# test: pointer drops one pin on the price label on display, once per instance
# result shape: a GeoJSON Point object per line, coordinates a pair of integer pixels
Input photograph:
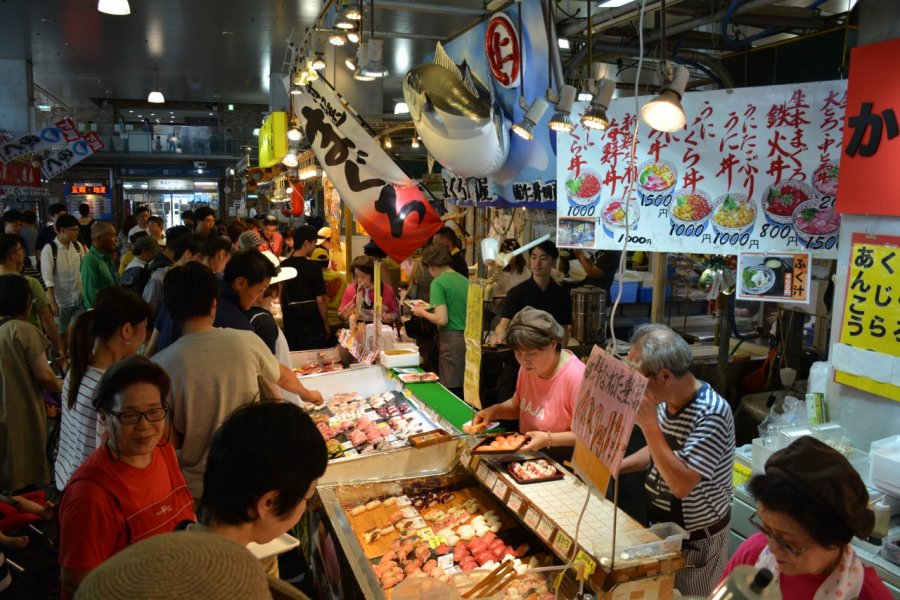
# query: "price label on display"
{"type": "Point", "coordinates": [491, 480]}
{"type": "Point", "coordinates": [445, 562]}
{"type": "Point", "coordinates": [584, 560]}
{"type": "Point", "coordinates": [409, 512]}
{"type": "Point", "coordinates": [562, 544]}
{"type": "Point", "coordinates": [465, 458]}
{"type": "Point", "coordinates": [544, 529]}
{"type": "Point", "coordinates": [514, 502]}
{"type": "Point", "coordinates": [482, 472]}
{"type": "Point", "coordinates": [500, 489]}
{"type": "Point", "coordinates": [532, 517]}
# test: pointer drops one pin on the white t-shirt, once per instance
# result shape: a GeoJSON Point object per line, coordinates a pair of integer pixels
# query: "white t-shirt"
{"type": "Point", "coordinates": [135, 230]}
{"type": "Point", "coordinates": [64, 273]}
{"type": "Point", "coordinates": [80, 429]}
{"type": "Point", "coordinates": [213, 374]}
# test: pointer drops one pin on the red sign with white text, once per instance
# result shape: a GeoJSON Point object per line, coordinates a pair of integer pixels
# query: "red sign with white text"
{"type": "Point", "coordinates": [871, 146]}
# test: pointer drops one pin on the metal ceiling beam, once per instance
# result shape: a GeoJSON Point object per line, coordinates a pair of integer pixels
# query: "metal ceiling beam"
{"type": "Point", "coordinates": [613, 17]}
{"type": "Point", "coordinates": [701, 58]}
{"type": "Point", "coordinates": [430, 8]}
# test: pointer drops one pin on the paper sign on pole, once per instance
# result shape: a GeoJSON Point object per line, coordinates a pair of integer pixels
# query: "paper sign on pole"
{"type": "Point", "coordinates": [385, 201]}
{"type": "Point", "coordinates": [607, 402]}
{"type": "Point", "coordinates": [472, 375]}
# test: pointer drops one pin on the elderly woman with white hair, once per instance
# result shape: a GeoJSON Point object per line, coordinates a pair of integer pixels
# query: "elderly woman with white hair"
{"type": "Point", "coordinates": [548, 383]}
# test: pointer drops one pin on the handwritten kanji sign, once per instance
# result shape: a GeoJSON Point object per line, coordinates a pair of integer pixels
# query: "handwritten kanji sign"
{"type": "Point", "coordinates": [869, 347]}
{"type": "Point", "coordinates": [871, 144]}
{"type": "Point", "coordinates": [607, 402]}
{"type": "Point", "coordinates": [474, 315]}
{"type": "Point", "coordinates": [753, 170]}
{"type": "Point", "coordinates": [385, 201]}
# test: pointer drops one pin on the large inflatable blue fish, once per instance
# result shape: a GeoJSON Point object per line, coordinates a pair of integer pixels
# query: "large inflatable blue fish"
{"type": "Point", "coordinates": [459, 119]}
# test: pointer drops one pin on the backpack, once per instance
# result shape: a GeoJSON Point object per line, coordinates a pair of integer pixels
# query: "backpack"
{"type": "Point", "coordinates": [54, 249]}
{"type": "Point", "coordinates": [135, 279]}
{"type": "Point", "coordinates": [84, 232]}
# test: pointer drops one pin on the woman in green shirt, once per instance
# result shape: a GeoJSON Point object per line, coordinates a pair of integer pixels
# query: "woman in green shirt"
{"type": "Point", "coordinates": [449, 293]}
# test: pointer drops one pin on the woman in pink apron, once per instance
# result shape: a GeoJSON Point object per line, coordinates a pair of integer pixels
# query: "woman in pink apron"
{"type": "Point", "coordinates": [130, 488]}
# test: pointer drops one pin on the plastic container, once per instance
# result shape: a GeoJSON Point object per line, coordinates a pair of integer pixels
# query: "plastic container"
{"type": "Point", "coordinates": [400, 357]}
{"type": "Point", "coordinates": [466, 580]}
{"type": "Point", "coordinates": [884, 465]}
{"type": "Point", "coordinates": [424, 588]}
{"type": "Point", "coordinates": [890, 549]}
{"type": "Point", "coordinates": [669, 537]}
{"type": "Point", "coordinates": [629, 292]}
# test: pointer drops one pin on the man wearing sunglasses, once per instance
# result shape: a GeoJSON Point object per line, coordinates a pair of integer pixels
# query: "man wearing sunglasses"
{"type": "Point", "coordinates": [688, 457]}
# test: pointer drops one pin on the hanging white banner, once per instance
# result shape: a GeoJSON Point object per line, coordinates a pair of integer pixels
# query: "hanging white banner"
{"type": "Point", "coordinates": [755, 169]}
{"type": "Point", "coordinates": [388, 204]}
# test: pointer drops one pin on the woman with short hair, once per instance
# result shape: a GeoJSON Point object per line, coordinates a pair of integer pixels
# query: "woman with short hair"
{"type": "Point", "coordinates": [130, 488]}
{"type": "Point", "coordinates": [810, 504]}
{"type": "Point", "coordinates": [449, 296]}
{"type": "Point", "coordinates": [547, 387]}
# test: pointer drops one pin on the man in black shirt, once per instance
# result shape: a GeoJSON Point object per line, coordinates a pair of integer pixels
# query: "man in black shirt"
{"type": "Point", "coordinates": [540, 291]}
{"type": "Point", "coordinates": [303, 299]}
{"type": "Point", "coordinates": [446, 237]}
{"type": "Point", "coordinates": [600, 268]}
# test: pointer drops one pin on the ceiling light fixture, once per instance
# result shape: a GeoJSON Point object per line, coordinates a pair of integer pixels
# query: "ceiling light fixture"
{"type": "Point", "coordinates": [415, 142]}
{"type": "Point", "coordinates": [318, 61]}
{"type": "Point", "coordinates": [344, 23]}
{"type": "Point", "coordinates": [535, 112]}
{"type": "Point", "coordinates": [362, 58]}
{"type": "Point", "coordinates": [353, 13]}
{"type": "Point", "coordinates": [563, 43]}
{"type": "Point", "coordinates": [290, 160]}
{"type": "Point", "coordinates": [664, 113]}
{"type": "Point", "coordinates": [375, 67]}
{"type": "Point", "coordinates": [350, 61]}
{"type": "Point", "coordinates": [387, 142]}
{"type": "Point", "coordinates": [294, 134]}
{"type": "Point", "coordinates": [156, 97]}
{"type": "Point", "coordinates": [353, 36]}
{"type": "Point", "coordinates": [337, 39]}
{"type": "Point", "coordinates": [401, 108]}
{"type": "Point", "coordinates": [613, 3]}
{"type": "Point", "coordinates": [114, 7]}
{"type": "Point", "coordinates": [560, 121]}
{"type": "Point", "coordinates": [296, 90]}
{"type": "Point", "coordinates": [595, 117]}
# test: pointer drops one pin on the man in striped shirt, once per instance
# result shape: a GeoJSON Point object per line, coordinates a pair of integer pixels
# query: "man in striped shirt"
{"type": "Point", "coordinates": [689, 454]}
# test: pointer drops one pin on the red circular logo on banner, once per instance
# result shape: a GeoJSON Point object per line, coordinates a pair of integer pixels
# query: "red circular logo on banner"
{"type": "Point", "coordinates": [503, 49]}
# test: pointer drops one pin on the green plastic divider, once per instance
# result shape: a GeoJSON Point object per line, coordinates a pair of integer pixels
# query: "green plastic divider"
{"type": "Point", "coordinates": [444, 403]}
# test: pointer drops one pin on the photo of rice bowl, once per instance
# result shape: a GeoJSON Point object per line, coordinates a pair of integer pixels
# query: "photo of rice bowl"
{"type": "Point", "coordinates": [811, 220]}
{"type": "Point", "coordinates": [825, 179]}
{"type": "Point", "coordinates": [691, 207]}
{"type": "Point", "coordinates": [613, 216]}
{"type": "Point", "coordinates": [733, 213]}
{"type": "Point", "coordinates": [780, 200]}
{"type": "Point", "coordinates": [655, 177]}
{"type": "Point", "coordinates": [584, 189]}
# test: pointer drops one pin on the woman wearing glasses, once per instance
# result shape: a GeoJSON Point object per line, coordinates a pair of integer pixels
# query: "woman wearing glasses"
{"type": "Point", "coordinates": [811, 503]}
{"type": "Point", "coordinates": [131, 487]}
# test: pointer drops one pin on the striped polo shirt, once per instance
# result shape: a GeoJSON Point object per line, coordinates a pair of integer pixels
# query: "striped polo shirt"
{"type": "Point", "coordinates": [702, 435]}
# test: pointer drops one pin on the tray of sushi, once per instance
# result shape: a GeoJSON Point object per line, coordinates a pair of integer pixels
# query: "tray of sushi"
{"type": "Point", "coordinates": [533, 471]}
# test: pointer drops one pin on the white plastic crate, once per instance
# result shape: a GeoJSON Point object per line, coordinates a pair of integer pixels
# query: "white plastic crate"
{"type": "Point", "coordinates": [884, 465]}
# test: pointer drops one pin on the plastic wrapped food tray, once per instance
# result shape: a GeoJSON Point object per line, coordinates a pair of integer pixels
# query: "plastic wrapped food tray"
{"type": "Point", "coordinates": [655, 542]}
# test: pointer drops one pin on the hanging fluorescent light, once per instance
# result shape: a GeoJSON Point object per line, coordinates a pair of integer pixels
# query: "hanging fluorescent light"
{"type": "Point", "coordinates": [561, 120]}
{"type": "Point", "coordinates": [294, 134]}
{"type": "Point", "coordinates": [525, 127]}
{"type": "Point", "coordinates": [401, 108]}
{"type": "Point", "coordinates": [613, 3]}
{"type": "Point", "coordinates": [336, 39]}
{"type": "Point", "coordinates": [318, 61]}
{"type": "Point", "coordinates": [353, 36]}
{"type": "Point", "coordinates": [156, 97]}
{"type": "Point", "coordinates": [114, 7]}
{"type": "Point", "coordinates": [664, 113]}
{"type": "Point", "coordinates": [595, 117]}
{"type": "Point", "coordinates": [375, 67]}
{"type": "Point", "coordinates": [290, 160]}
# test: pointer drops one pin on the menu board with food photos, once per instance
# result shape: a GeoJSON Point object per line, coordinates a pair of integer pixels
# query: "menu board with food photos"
{"type": "Point", "coordinates": [754, 170]}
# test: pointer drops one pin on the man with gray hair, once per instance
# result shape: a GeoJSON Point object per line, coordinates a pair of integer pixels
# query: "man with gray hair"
{"type": "Point", "coordinates": [689, 454]}
{"type": "Point", "coordinates": [97, 267]}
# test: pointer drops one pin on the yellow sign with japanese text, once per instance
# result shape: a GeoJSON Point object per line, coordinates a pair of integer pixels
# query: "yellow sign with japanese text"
{"type": "Point", "coordinates": [273, 142]}
{"type": "Point", "coordinates": [867, 355]}
{"type": "Point", "coordinates": [472, 376]}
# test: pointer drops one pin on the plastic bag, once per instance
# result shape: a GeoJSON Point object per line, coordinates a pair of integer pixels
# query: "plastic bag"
{"type": "Point", "coordinates": [793, 413]}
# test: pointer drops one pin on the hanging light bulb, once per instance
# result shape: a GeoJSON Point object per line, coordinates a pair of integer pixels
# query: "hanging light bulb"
{"type": "Point", "coordinates": [362, 59]}
{"type": "Point", "coordinates": [311, 74]}
{"type": "Point", "coordinates": [595, 117]}
{"type": "Point", "coordinates": [415, 141]}
{"type": "Point", "coordinates": [156, 97]}
{"type": "Point", "coordinates": [318, 61]}
{"type": "Point", "coordinates": [114, 7]}
{"type": "Point", "coordinates": [296, 90]}
{"type": "Point", "coordinates": [336, 39]}
{"type": "Point", "coordinates": [353, 36]}
{"type": "Point", "coordinates": [290, 159]}
{"type": "Point", "coordinates": [525, 127]}
{"type": "Point", "coordinates": [664, 113]}
{"type": "Point", "coordinates": [353, 13]}
{"type": "Point", "coordinates": [560, 120]}
{"type": "Point", "coordinates": [375, 67]}
{"type": "Point", "coordinates": [387, 142]}
{"type": "Point", "coordinates": [350, 62]}
{"type": "Point", "coordinates": [294, 134]}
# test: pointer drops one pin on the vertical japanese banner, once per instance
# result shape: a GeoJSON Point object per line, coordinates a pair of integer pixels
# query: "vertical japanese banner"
{"type": "Point", "coordinates": [385, 201]}
{"type": "Point", "coordinates": [474, 314]}
{"type": "Point", "coordinates": [753, 170]}
{"type": "Point", "coordinates": [607, 402]}
{"type": "Point", "coordinates": [868, 354]}
{"type": "Point", "coordinates": [774, 277]}
{"type": "Point", "coordinates": [871, 148]}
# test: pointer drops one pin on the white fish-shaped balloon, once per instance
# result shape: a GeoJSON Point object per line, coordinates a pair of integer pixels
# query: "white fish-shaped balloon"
{"type": "Point", "coordinates": [459, 121]}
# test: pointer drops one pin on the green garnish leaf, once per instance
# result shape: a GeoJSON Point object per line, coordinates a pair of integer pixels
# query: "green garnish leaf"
{"type": "Point", "coordinates": [808, 214]}
{"type": "Point", "coordinates": [573, 185]}
{"type": "Point", "coordinates": [729, 204]}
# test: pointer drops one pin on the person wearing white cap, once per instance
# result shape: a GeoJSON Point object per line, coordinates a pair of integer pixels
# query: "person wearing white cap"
{"type": "Point", "coordinates": [338, 262]}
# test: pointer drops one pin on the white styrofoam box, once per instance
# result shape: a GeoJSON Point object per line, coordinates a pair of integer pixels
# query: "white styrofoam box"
{"type": "Point", "coordinates": [405, 357]}
{"type": "Point", "coordinates": [884, 465]}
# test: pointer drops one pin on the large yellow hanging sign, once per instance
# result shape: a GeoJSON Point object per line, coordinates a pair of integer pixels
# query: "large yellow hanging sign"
{"type": "Point", "coordinates": [868, 355]}
{"type": "Point", "coordinates": [273, 142]}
